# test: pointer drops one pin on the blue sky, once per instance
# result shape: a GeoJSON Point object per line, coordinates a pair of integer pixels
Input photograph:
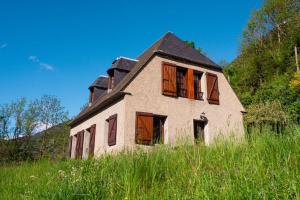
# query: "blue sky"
{"type": "Point", "coordinates": [59, 47]}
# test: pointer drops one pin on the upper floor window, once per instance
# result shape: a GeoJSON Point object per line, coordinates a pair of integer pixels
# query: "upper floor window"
{"type": "Point", "coordinates": [181, 82]}
{"type": "Point", "coordinates": [181, 79]}
{"type": "Point", "coordinates": [198, 94]}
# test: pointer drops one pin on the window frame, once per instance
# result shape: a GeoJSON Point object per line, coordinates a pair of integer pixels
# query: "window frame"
{"type": "Point", "coordinates": [181, 82]}
{"type": "Point", "coordinates": [198, 93]}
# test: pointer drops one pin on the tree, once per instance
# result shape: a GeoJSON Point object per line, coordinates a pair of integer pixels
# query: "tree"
{"type": "Point", "coordinates": [18, 109]}
{"type": "Point", "coordinates": [192, 44]}
{"type": "Point", "coordinates": [5, 115]}
{"type": "Point", "coordinates": [266, 64]}
{"type": "Point", "coordinates": [22, 128]}
{"type": "Point", "coordinates": [51, 113]}
{"type": "Point", "coordinates": [267, 113]}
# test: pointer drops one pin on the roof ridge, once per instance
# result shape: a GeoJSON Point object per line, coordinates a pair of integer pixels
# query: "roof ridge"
{"type": "Point", "coordinates": [157, 42]}
{"type": "Point", "coordinates": [126, 58]}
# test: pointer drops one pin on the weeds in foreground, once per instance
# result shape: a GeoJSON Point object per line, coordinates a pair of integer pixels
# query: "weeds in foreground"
{"type": "Point", "coordinates": [266, 167]}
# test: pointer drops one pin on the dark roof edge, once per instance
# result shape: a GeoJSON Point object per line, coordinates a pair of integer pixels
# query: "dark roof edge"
{"type": "Point", "coordinates": [106, 102]}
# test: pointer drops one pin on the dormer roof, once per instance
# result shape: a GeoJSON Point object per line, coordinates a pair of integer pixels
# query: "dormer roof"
{"type": "Point", "coordinates": [123, 63]}
{"type": "Point", "coordinates": [100, 82]}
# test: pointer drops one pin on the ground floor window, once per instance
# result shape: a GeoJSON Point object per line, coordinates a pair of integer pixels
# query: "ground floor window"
{"type": "Point", "coordinates": [199, 131]}
{"type": "Point", "coordinates": [149, 128]}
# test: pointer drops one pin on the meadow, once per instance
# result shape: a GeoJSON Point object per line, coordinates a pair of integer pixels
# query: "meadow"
{"type": "Point", "coordinates": [263, 166]}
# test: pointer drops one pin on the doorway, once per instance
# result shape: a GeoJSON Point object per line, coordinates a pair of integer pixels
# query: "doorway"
{"type": "Point", "coordinates": [199, 131]}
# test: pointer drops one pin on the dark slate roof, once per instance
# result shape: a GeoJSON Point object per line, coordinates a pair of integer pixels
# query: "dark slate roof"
{"type": "Point", "coordinates": [169, 45]}
{"type": "Point", "coordinates": [101, 82]}
{"type": "Point", "coordinates": [123, 63]}
{"type": "Point", "coordinates": [174, 46]}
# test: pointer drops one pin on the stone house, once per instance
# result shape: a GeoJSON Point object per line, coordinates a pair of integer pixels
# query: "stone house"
{"type": "Point", "coordinates": [170, 92]}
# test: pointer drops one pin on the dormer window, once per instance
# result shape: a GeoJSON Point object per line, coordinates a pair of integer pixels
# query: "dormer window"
{"type": "Point", "coordinates": [91, 95]}
{"type": "Point", "coordinates": [111, 81]}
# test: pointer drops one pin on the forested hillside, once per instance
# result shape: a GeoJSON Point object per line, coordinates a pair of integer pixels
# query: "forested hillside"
{"type": "Point", "coordinates": [265, 75]}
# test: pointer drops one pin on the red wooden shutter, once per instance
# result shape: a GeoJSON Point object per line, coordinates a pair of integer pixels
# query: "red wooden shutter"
{"type": "Point", "coordinates": [79, 144]}
{"type": "Point", "coordinates": [144, 128]}
{"type": "Point", "coordinates": [92, 131]}
{"type": "Point", "coordinates": [70, 146]}
{"type": "Point", "coordinates": [212, 88]}
{"type": "Point", "coordinates": [190, 84]}
{"type": "Point", "coordinates": [112, 130]}
{"type": "Point", "coordinates": [169, 79]}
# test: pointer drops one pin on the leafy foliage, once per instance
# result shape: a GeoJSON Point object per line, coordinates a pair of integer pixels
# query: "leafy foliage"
{"type": "Point", "coordinates": [266, 113]}
{"type": "Point", "coordinates": [295, 82]}
{"type": "Point", "coordinates": [21, 124]}
{"type": "Point", "coordinates": [266, 64]}
{"type": "Point", "coordinates": [192, 44]}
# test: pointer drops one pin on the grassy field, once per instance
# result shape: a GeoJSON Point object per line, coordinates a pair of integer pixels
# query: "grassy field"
{"type": "Point", "coordinates": [265, 167]}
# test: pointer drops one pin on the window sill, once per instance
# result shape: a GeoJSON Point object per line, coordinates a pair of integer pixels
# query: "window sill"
{"type": "Point", "coordinates": [200, 99]}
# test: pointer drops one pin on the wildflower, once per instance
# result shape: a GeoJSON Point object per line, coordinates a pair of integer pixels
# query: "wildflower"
{"type": "Point", "coordinates": [33, 177]}
{"type": "Point", "coordinates": [61, 173]}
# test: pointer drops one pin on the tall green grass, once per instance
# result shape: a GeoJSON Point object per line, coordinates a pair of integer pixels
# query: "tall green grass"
{"type": "Point", "coordinates": [264, 167]}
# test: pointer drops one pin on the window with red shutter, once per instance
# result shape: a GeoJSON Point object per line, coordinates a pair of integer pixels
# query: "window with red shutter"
{"type": "Point", "coordinates": [92, 131]}
{"type": "Point", "coordinates": [149, 128]}
{"type": "Point", "coordinates": [112, 130]}
{"type": "Point", "coordinates": [169, 79]}
{"type": "Point", "coordinates": [212, 88]}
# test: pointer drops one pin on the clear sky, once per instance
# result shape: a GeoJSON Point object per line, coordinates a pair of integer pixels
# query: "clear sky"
{"type": "Point", "coordinates": [60, 47]}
